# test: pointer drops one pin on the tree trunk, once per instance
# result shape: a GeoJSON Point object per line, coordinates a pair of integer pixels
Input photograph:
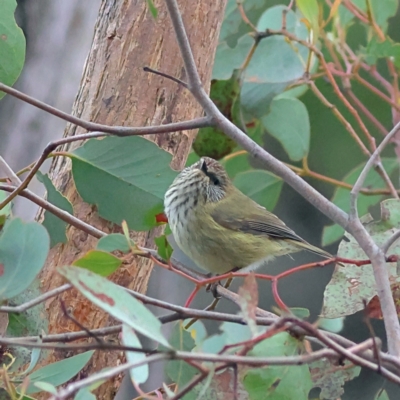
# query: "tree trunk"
{"type": "Point", "coordinates": [116, 91]}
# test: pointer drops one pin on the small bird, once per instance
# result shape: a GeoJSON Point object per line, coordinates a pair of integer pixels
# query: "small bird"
{"type": "Point", "coordinates": [219, 227]}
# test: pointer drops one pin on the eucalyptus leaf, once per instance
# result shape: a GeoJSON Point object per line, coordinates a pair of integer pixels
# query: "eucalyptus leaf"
{"type": "Point", "coordinates": [261, 186]}
{"type": "Point", "coordinates": [100, 262]}
{"type": "Point", "coordinates": [139, 374]}
{"type": "Point", "coordinates": [12, 45]}
{"type": "Point", "coordinates": [23, 252]}
{"type": "Point", "coordinates": [125, 177]}
{"type": "Point", "coordinates": [289, 123]}
{"type": "Point", "coordinates": [113, 242]}
{"type": "Point", "coordinates": [59, 372]}
{"type": "Point", "coordinates": [54, 225]}
{"type": "Point", "coordinates": [115, 301]}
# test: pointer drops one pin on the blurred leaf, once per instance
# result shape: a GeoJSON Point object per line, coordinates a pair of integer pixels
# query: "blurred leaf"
{"type": "Point", "coordinates": [54, 225]}
{"type": "Point", "coordinates": [84, 394]}
{"type": "Point", "coordinates": [289, 123]}
{"type": "Point", "coordinates": [115, 301]}
{"type": "Point", "coordinates": [261, 186]}
{"type": "Point", "coordinates": [192, 159]}
{"type": "Point", "coordinates": [23, 252]}
{"type": "Point", "coordinates": [12, 45]}
{"type": "Point", "coordinates": [351, 285]}
{"type": "Point", "coordinates": [59, 372]}
{"type": "Point", "coordinates": [181, 372]}
{"type": "Point", "coordinates": [6, 211]}
{"type": "Point", "coordinates": [275, 64]}
{"type": "Point", "coordinates": [334, 325]}
{"type": "Point", "coordinates": [99, 262]}
{"type": "Point", "coordinates": [113, 242]}
{"type": "Point", "coordinates": [248, 302]}
{"type": "Point", "coordinates": [228, 59]}
{"type": "Point", "coordinates": [381, 10]}
{"type": "Point", "coordinates": [46, 387]}
{"type": "Point", "coordinates": [139, 374]}
{"type": "Point", "coordinates": [210, 141]}
{"type": "Point", "coordinates": [300, 312]}
{"type": "Point", "coordinates": [152, 8]}
{"type": "Point", "coordinates": [164, 249]}
{"type": "Point", "coordinates": [233, 26]}
{"type": "Point", "coordinates": [341, 197]}
{"type": "Point", "coordinates": [235, 164]}
{"type": "Point", "coordinates": [35, 356]}
{"type": "Point", "coordinates": [283, 382]}
{"type": "Point", "coordinates": [119, 175]}
{"type": "Point", "coordinates": [386, 49]}
{"type": "Point", "coordinates": [381, 395]}
{"type": "Point", "coordinates": [310, 10]}
{"type": "Point", "coordinates": [330, 377]}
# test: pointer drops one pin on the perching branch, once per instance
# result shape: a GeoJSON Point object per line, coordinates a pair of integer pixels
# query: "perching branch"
{"type": "Point", "coordinates": [310, 194]}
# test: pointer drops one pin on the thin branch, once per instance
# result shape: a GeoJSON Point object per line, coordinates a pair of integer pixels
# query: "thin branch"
{"type": "Point", "coordinates": [172, 78]}
{"type": "Point", "coordinates": [63, 215]}
{"type": "Point", "coordinates": [104, 375]}
{"type": "Point", "coordinates": [385, 247]}
{"type": "Point", "coordinates": [370, 163]}
{"type": "Point", "coordinates": [113, 130]}
{"type": "Point", "coordinates": [32, 303]}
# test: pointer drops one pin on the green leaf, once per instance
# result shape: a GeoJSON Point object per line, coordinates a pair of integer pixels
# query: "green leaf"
{"type": "Point", "coordinates": [163, 247]}
{"type": "Point", "coordinates": [275, 64]}
{"type": "Point", "coordinates": [23, 252]}
{"type": "Point", "coordinates": [351, 285]}
{"type": "Point", "coordinates": [331, 377]}
{"type": "Point", "coordinates": [310, 10]}
{"type": "Point", "coordinates": [59, 372]}
{"type": "Point", "coordinates": [289, 123]}
{"type": "Point", "coordinates": [113, 242]}
{"type": "Point", "coordinates": [261, 186]}
{"type": "Point", "coordinates": [6, 211]}
{"type": "Point", "coordinates": [12, 45]}
{"type": "Point", "coordinates": [179, 371]}
{"type": "Point", "coordinates": [334, 325]}
{"type": "Point", "coordinates": [341, 196]}
{"type": "Point", "coordinates": [54, 225]}
{"type": "Point", "coordinates": [233, 26]}
{"type": "Point", "coordinates": [152, 8]}
{"type": "Point", "coordinates": [84, 394]}
{"type": "Point", "coordinates": [45, 387]}
{"type": "Point", "coordinates": [139, 374]}
{"type": "Point", "coordinates": [286, 382]}
{"type": "Point", "coordinates": [228, 59]}
{"type": "Point", "coordinates": [210, 141]}
{"type": "Point", "coordinates": [382, 395]}
{"type": "Point", "coordinates": [235, 165]}
{"type": "Point", "coordinates": [120, 176]}
{"type": "Point", "coordinates": [387, 49]}
{"type": "Point", "coordinates": [300, 312]}
{"type": "Point", "coordinates": [99, 262]}
{"type": "Point", "coordinates": [115, 301]}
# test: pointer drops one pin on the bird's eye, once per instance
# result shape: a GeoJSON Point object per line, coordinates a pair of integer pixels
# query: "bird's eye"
{"type": "Point", "coordinates": [213, 178]}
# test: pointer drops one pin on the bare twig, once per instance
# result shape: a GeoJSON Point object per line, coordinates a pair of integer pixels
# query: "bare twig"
{"type": "Point", "coordinates": [63, 215]}
{"type": "Point", "coordinates": [385, 247]}
{"type": "Point", "coordinates": [37, 300]}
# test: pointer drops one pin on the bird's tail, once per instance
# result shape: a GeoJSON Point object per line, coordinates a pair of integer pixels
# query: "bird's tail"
{"type": "Point", "coordinates": [313, 249]}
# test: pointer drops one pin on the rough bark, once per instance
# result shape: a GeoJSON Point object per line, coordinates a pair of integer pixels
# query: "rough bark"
{"type": "Point", "coordinates": [115, 91]}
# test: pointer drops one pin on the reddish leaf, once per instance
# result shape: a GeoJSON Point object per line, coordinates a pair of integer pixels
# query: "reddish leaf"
{"type": "Point", "coordinates": [374, 306]}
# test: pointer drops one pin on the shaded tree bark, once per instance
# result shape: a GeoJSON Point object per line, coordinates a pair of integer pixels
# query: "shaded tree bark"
{"type": "Point", "coordinates": [115, 91]}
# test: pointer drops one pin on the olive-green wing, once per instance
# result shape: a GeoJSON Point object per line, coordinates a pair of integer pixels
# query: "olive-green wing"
{"type": "Point", "coordinates": [263, 223]}
{"type": "Point", "coordinates": [260, 222]}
